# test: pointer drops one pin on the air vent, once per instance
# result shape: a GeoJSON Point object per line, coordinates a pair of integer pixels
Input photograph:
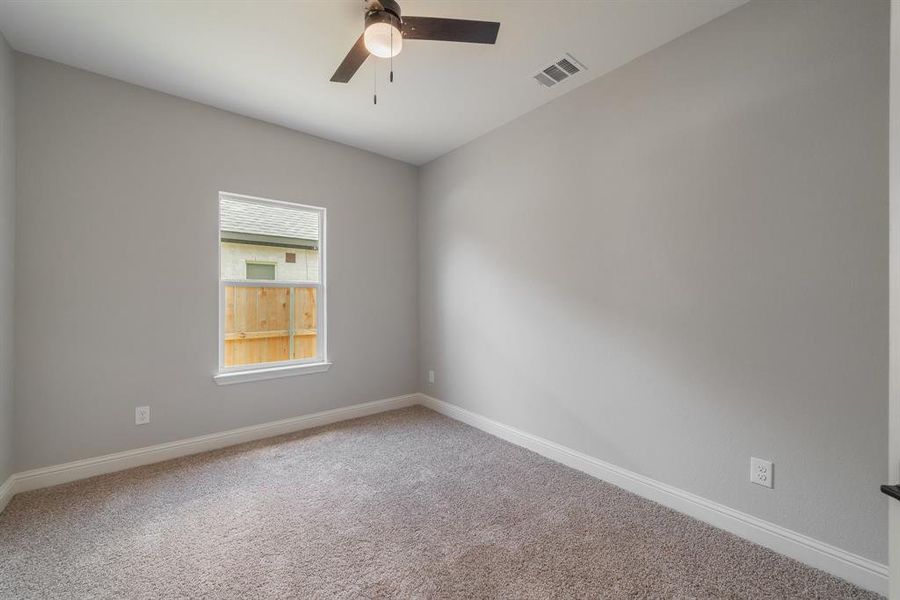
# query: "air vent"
{"type": "Point", "coordinates": [559, 70]}
{"type": "Point", "coordinates": [567, 66]}
{"type": "Point", "coordinates": [544, 80]}
{"type": "Point", "coordinates": [555, 73]}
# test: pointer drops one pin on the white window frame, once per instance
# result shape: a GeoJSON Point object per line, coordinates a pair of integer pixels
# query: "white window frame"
{"type": "Point", "coordinates": [284, 368]}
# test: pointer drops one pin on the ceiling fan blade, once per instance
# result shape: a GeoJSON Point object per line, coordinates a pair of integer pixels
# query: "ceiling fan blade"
{"type": "Point", "coordinates": [352, 62]}
{"type": "Point", "coordinates": [450, 30]}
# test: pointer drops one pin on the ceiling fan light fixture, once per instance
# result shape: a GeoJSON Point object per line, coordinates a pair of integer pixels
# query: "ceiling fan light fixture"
{"type": "Point", "coordinates": [384, 31]}
{"type": "Point", "coordinates": [383, 38]}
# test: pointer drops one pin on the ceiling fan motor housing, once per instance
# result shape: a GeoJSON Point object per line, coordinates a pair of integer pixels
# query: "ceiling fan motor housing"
{"type": "Point", "coordinates": [382, 16]}
{"type": "Point", "coordinates": [384, 11]}
{"type": "Point", "coordinates": [379, 5]}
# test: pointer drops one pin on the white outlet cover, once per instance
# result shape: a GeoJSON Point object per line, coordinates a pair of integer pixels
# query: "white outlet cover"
{"type": "Point", "coordinates": [430, 376]}
{"type": "Point", "coordinates": [141, 415]}
{"type": "Point", "coordinates": [762, 472]}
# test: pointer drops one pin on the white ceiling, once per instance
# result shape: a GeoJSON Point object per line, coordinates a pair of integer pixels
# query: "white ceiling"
{"type": "Point", "coordinates": [272, 60]}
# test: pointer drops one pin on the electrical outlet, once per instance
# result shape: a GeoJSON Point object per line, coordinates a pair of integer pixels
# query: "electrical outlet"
{"type": "Point", "coordinates": [141, 415]}
{"type": "Point", "coordinates": [430, 376]}
{"type": "Point", "coordinates": [761, 472]}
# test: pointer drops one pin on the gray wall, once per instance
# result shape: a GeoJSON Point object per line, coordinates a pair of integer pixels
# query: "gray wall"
{"type": "Point", "coordinates": [116, 274]}
{"type": "Point", "coordinates": [7, 242]}
{"type": "Point", "coordinates": [684, 264]}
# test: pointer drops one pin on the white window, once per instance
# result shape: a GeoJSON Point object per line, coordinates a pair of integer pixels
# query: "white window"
{"type": "Point", "coordinates": [260, 270]}
{"type": "Point", "coordinates": [271, 289]}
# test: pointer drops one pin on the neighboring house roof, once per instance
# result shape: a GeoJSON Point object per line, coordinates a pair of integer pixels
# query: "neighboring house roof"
{"type": "Point", "coordinates": [268, 220]}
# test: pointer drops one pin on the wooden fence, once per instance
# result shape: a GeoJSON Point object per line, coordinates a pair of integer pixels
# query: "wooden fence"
{"type": "Point", "coordinates": [269, 324]}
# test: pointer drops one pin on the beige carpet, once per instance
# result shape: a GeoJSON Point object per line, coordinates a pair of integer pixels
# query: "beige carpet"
{"type": "Point", "coordinates": [406, 504]}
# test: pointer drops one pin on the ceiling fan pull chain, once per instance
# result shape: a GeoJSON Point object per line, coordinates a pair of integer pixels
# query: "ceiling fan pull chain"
{"type": "Point", "coordinates": [392, 55]}
{"type": "Point", "coordinates": [374, 82]}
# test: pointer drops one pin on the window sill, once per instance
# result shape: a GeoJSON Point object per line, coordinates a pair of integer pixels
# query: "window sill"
{"type": "Point", "coordinates": [230, 377]}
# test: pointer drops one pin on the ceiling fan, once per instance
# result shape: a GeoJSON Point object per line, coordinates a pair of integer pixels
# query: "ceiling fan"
{"type": "Point", "coordinates": [385, 31]}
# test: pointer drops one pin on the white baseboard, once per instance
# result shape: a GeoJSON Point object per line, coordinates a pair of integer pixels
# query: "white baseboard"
{"type": "Point", "coordinates": [846, 565]}
{"type": "Point", "coordinates": [81, 469]}
{"type": "Point", "coordinates": [856, 569]}
{"type": "Point", "coordinates": [6, 492]}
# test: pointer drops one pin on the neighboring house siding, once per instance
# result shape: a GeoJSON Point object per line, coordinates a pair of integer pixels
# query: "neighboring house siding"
{"type": "Point", "coordinates": [235, 257]}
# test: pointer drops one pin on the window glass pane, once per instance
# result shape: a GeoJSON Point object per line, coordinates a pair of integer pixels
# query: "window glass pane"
{"type": "Point", "coordinates": [257, 325]}
{"type": "Point", "coordinates": [280, 235]}
{"type": "Point", "coordinates": [305, 319]}
{"type": "Point", "coordinates": [279, 244]}
{"type": "Point", "coordinates": [269, 324]}
{"type": "Point", "coordinates": [260, 271]}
